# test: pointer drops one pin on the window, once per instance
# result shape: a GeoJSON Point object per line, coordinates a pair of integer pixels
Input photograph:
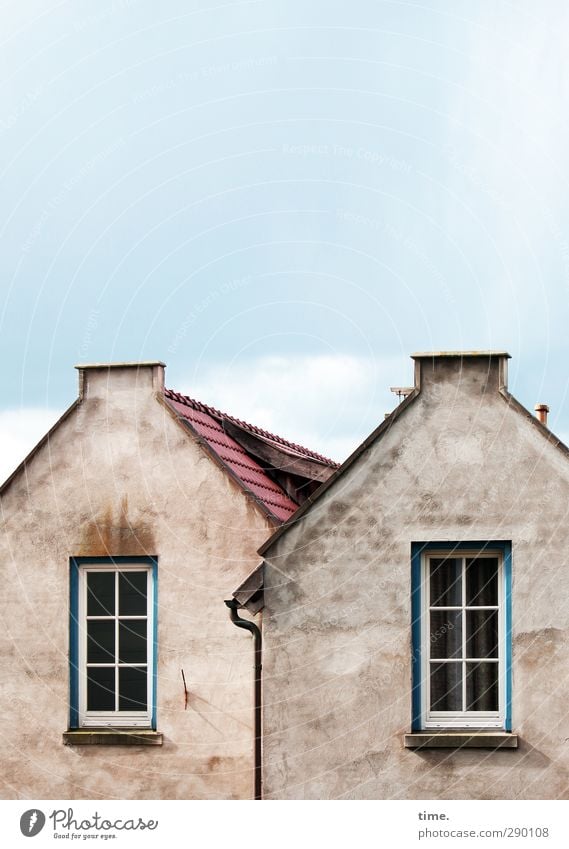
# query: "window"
{"type": "Point", "coordinates": [461, 635]}
{"type": "Point", "coordinates": [113, 642]}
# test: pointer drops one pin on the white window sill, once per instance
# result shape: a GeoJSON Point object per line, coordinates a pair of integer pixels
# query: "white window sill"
{"type": "Point", "coordinates": [116, 737]}
{"type": "Point", "coordinates": [460, 740]}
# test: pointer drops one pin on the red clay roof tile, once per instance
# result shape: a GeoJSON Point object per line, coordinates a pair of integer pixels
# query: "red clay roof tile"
{"type": "Point", "coordinates": [207, 423]}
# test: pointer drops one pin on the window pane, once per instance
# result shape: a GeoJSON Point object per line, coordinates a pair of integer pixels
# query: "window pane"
{"type": "Point", "coordinates": [482, 581]}
{"type": "Point", "coordinates": [132, 593]}
{"type": "Point", "coordinates": [446, 633]}
{"type": "Point", "coordinates": [446, 686]}
{"type": "Point", "coordinates": [101, 688]}
{"type": "Point", "coordinates": [101, 641]}
{"type": "Point", "coordinates": [132, 641]}
{"type": "Point", "coordinates": [482, 686]}
{"type": "Point", "coordinates": [100, 593]}
{"type": "Point", "coordinates": [132, 688]}
{"type": "Point", "coordinates": [482, 633]}
{"type": "Point", "coordinates": [446, 582]}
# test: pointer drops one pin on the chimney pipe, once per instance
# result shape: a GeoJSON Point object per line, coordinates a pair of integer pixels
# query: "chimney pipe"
{"type": "Point", "coordinates": [541, 411]}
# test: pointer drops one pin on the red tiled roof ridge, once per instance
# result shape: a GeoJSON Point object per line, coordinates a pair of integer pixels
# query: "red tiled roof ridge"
{"type": "Point", "coordinates": [212, 411]}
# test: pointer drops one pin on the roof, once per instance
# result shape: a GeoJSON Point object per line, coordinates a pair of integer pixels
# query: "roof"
{"type": "Point", "coordinates": [210, 425]}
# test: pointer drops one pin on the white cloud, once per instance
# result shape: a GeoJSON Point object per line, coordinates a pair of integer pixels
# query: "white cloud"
{"type": "Point", "coordinates": [20, 430]}
{"type": "Point", "coordinates": [328, 403]}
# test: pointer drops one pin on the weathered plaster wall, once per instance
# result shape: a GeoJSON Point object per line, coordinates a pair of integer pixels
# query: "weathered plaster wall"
{"type": "Point", "coordinates": [459, 464]}
{"type": "Point", "coordinates": [120, 476]}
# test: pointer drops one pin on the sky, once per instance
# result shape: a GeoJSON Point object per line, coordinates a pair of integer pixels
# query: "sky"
{"type": "Point", "coordinates": [282, 201]}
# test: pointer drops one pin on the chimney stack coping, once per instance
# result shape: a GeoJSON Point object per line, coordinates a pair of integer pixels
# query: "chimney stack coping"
{"type": "Point", "coordinates": [421, 355]}
{"type": "Point", "coordinates": [139, 364]}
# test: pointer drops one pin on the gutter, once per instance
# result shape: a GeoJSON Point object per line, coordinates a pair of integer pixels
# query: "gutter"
{"type": "Point", "coordinates": [233, 606]}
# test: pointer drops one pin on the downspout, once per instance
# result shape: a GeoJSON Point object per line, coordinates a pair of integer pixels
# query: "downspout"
{"type": "Point", "coordinates": [233, 606]}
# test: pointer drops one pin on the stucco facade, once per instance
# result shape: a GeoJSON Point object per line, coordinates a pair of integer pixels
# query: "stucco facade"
{"type": "Point", "coordinates": [459, 461]}
{"type": "Point", "coordinates": [120, 476]}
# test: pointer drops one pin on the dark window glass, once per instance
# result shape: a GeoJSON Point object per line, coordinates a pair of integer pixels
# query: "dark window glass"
{"type": "Point", "coordinates": [101, 688]}
{"type": "Point", "coordinates": [100, 593]}
{"type": "Point", "coordinates": [446, 686]}
{"type": "Point", "coordinates": [446, 633]}
{"type": "Point", "coordinates": [446, 582]}
{"type": "Point", "coordinates": [132, 593]}
{"type": "Point", "coordinates": [482, 633]}
{"type": "Point", "coordinates": [132, 641]}
{"type": "Point", "coordinates": [482, 686]}
{"type": "Point", "coordinates": [481, 581]}
{"type": "Point", "coordinates": [132, 688]}
{"type": "Point", "coordinates": [101, 641]}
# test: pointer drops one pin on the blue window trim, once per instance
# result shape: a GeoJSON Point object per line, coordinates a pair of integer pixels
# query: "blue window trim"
{"type": "Point", "coordinates": [74, 644]}
{"type": "Point", "coordinates": [417, 549]}
{"type": "Point", "coordinates": [74, 564]}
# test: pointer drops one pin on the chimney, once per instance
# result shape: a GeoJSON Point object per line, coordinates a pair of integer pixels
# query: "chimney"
{"type": "Point", "coordinates": [485, 371]}
{"type": "Point", "coordinates": [100, 380]}
{"type": "Point", "coordinates": [541, 411]}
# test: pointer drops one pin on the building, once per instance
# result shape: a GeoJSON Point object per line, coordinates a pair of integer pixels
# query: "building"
{"type": "Point", "coordinates": [416, 611]}
{"type": "Point", "coordinates": [122, 533]}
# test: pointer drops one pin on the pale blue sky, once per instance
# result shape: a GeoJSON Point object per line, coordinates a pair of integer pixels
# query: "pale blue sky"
{"type": "Point", "coordinates": [282, 201]}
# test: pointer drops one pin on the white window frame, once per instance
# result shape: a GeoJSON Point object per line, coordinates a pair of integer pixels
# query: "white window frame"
{"type": "Point", "coordinates": [461, 719]}
{"type": "Point", "coordinates": [115, 719]}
